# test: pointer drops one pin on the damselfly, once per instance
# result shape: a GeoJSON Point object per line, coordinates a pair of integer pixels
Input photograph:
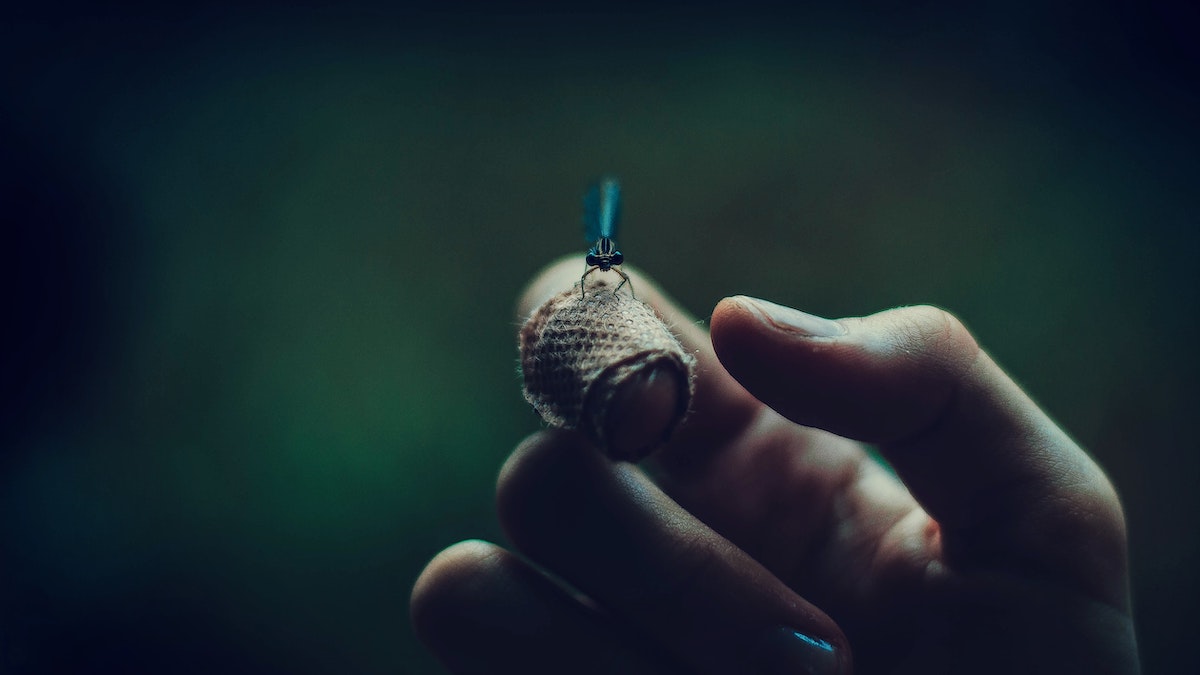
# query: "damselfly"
{"type": "Point", "coordinates": [601, 215]}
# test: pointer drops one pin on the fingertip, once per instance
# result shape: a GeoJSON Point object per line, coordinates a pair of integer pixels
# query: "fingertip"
{"type": "Point", "coordinates": [607, 366]}
{"type": "Point", "coordinates": [482, 609]}
{"type": "Point", "coordinates": [732, 323]}
{"type": "Point", "coordinates": [529, 454]}
{"type": "Point", "coordinates": [540, 453]}
{"type": "Point", "coordinates": [728, 305]}
{"type": "Point", "coordinates": [532, 481]}
{"type": "Point", "coordinates": [453, 573]}
{"type": "Point", "coordinates": [733, 330]}
{"type": "Point", "coordinates": [719, 406]}
{"type": "Point", "coordinates": [730, 313]}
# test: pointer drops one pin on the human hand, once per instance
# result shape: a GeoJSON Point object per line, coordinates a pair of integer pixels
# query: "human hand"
{"type": "Point", "coordinates": [770, 541]}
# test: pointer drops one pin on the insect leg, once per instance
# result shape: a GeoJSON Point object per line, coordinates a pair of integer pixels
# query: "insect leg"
{"type": "Point", "coordinates": [586, 271]}
{"type": "Point", "coordinates": [624, 280]}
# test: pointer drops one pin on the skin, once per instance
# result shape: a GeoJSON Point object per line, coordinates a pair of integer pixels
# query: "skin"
{"type": "Point", "coordinates": [997, 546]}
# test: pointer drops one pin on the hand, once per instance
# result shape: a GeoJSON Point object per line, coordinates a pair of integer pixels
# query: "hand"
{"type": "Point", "coordinates": [770, 541]}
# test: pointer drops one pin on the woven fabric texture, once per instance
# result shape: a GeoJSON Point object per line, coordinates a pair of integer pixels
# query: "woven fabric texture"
{"type": "Point", "coordinates": [577, 352]}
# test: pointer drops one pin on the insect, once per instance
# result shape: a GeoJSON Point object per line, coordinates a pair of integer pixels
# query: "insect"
{"type": "Point", "coordinates": [601, 215]}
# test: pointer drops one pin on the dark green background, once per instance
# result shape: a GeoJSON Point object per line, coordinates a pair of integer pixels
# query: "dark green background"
{"type": "Point", "coordinates": [260, 266]}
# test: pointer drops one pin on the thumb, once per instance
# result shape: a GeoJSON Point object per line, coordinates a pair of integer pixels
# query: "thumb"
{"type": "Point", "coordinates": [880, 379]}
{"type": "Point", "coordinates": [1006, 485]}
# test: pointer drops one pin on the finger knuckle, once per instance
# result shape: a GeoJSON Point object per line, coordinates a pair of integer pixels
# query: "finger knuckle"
{"type": "Point", "coordinates": [936, 339]}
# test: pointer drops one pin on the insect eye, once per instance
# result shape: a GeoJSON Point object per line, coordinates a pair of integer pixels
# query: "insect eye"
{"type": "Point", "coordinates": [591, 260]}
{"type": "Point", "coordinates": [617, 258]}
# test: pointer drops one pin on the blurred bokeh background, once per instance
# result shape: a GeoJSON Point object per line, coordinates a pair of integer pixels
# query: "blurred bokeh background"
{"type": "Point", "coordinates": [259, 268]}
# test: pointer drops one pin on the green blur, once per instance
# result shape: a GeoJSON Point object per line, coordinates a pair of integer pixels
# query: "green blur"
{"type": "Point", "coordinates": [310, 379]}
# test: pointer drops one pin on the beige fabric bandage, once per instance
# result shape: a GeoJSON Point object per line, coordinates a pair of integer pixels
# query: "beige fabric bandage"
{"type": "Point", "coordinates": [576, 353]}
